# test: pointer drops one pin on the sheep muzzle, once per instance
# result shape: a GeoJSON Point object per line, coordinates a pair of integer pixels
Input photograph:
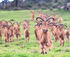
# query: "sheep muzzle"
{"type": "Point", "coordinates": [45, 30]}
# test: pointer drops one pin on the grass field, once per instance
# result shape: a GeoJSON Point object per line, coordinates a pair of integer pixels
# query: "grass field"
{"type": "Point", "coordinates": [21, 48]}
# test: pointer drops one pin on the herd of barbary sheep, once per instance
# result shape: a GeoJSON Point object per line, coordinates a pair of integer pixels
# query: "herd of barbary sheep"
{"type": "Point", "coordinates": [44, 24]}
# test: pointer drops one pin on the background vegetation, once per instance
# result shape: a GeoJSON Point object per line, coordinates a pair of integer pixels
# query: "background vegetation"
{"type": "Point", "coordinates": [36, 4]}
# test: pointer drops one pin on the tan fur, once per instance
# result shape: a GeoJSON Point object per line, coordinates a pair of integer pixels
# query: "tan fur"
{"type": "Point", "coordinates": [26, 31]}
{"type": "Point", "coordinates": [32, 15]}
{"type": "Point", "coordinates": [60, 20]}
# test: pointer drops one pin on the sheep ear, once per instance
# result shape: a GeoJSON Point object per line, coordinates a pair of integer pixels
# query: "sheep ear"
{"type": "Point", "coordinates": [14, 23]}
{"type": "Point", "coordinates": [10, 22]}
{"type": "Point", "coordinates": [17, 22]}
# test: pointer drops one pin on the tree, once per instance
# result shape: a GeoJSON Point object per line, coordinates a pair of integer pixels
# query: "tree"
{"type": "Point", "coordinates": [4, 4]}
{"type": "Point", "coordinates": [16, 3]}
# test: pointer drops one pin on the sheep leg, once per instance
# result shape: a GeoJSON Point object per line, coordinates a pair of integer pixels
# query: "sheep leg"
{"type": "Point", "coordinates": [17, 37]}
{"type": "Point", "coordinates": [28, 39]}
{"type": "Point", "coordinates": [67, 39]}
{"type": "Point", "coordinates": [42, 47]}
{"type": "Point", "coordinates": [5, 39]}
{"type": "Point", "coordinates": [46, 49]}
{"type": "Point", "coordinates": [60, 42]}
{"type": "Point", "coordinates": [55, 38]}
{"type": "Point", "coordinates": [63, 42]}
{"type": "Point", "coordinates": [12, 38]}
{"type": "Point", "coordinates": [9, 38]}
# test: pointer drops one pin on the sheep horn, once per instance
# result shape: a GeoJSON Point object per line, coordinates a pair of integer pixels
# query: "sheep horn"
{"type": "Point", "coordinates": [20, 22]}
{"type": "Point", "coordinates": [10, 22]}
{"type": "Point", "coordinates": [40, 18]}
{"type": "Point", "coordinates": [63, 25]}
{"type": "Point", "coordinates": [50, 18]}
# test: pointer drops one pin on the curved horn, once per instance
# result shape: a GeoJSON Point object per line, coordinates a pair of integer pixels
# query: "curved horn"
{"type": "Point", "coordinates": [55, 25]}
{"type": "Point", "coordinates": [40, 18]}
{"type": "Point", "coordinates": [16, 22]}
{"type": "Point", "coordinates": [63, 25]}
{"type": "Point", "coordinates": [10, 22]}
{"type": "Point", "coordinates": [20, 22]}
{"type": "Point", "coordinates": [50, 18]}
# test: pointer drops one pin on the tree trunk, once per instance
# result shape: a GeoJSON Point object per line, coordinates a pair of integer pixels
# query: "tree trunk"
{"type": "Point", "coordinates": [6, 3]}
{"type": "Point", "coordinates": [3, 5]}
{"type": "Point", "coordinates": [16, 3]}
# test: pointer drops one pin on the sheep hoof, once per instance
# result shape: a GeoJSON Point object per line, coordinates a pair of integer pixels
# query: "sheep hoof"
{"type": "Point", "coordinates": [42, 52]}
{"type": "Point", "coordinates": [45, 52]}
{"type": "Point", "coordinates": [49, 49]}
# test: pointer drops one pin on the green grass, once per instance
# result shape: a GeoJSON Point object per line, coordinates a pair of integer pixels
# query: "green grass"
{"type": "Point", "coordinates": [21, 48]}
